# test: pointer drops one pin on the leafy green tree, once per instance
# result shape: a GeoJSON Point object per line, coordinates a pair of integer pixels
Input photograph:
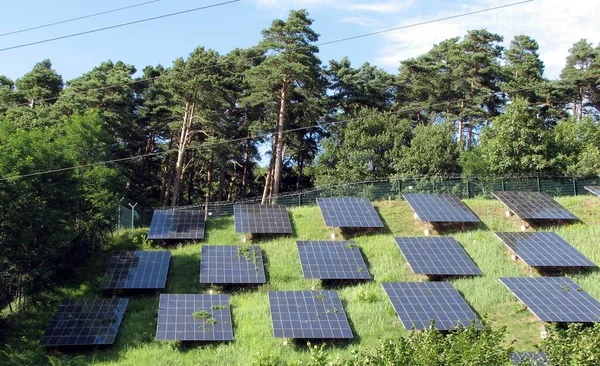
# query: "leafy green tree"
{"type": "Point", "coordinates": [517, 142]}
{"type": "Point", "coordinates": [291, 63]}
{"type": "Point", "coordinates": [575, 345]}
{"type": "Point", "coordinates": [41, 85]}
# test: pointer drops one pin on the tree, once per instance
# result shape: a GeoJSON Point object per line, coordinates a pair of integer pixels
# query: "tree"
{"type": "Point", "coordinates": [524, 69]}
{"type": "Point", "coordinates": [41, 85]}
{"type": "Point", "coordinates": [295, 65]}
{"type": "Point", "coordinates": [580, 78]}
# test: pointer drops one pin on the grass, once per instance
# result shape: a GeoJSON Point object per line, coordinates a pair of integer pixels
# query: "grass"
{"type": "Point", "coordinates": [370, 313]}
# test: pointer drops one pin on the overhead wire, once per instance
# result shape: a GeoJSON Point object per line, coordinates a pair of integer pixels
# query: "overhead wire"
{"type": "Point", "coordinates": [79, 18]}
{"type": "Point", "coordinates": [204, 68]}
{"type": "Point", "coordinates": [120, 25]}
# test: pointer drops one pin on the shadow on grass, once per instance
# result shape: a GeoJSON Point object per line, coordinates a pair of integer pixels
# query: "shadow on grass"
{"type": "Point", "coordinates": [552, 224]}
{"type": "Point", "coordinates": [443, 228]}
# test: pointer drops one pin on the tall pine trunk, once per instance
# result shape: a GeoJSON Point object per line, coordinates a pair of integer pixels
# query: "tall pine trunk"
{"type": "Point", "coordinates": [165, 188]}
{"type": "Point", "coordinates": [209, 180]}
{"type": "Point", "coordinates": [181, 148]}
{"type": "Point", "coordinates": [279, 146]}
{"type": "Point", "coordinates": [268, 179]}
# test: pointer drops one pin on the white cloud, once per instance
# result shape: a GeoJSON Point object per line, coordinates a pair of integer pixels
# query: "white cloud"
{"type": "Point", "coordinates": [360, 21]}
{"type": "Point", "coordinates": [380, 6]}
{"type": "Point", "coordinates": [554, 24]}
{"type": "Point", "coordinates": [295, 4]}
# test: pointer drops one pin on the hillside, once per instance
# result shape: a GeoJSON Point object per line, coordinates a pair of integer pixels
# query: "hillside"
{"type": "Point", "coordinates": [368, 308]}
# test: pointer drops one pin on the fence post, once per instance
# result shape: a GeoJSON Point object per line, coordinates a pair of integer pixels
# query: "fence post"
{"type": "Point", "coordinates": [503, 186]}
{"type": "Point", "coordinates": [132, 213]}
{"type": "Point", "coordinates": [299, 199]}
{"type": "Point", "coordinates": [468, 188]}
{"type": "Point", "coordinates": [574, 186]}
{"type": "Point", "coordinates": [539, 183]}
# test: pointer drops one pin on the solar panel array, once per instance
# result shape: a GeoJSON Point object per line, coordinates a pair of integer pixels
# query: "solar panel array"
{"type": "Point", "coordinates": [177, 224]}
{"type": "Point", "coordinates": [232, 264]}
{"type": "Point", "coordinates": [262, 219]}
{"type": "Point", "coordinates": [529, 358]}
{"type": "Point", "coordinates": [79, 322]}
{"type": "Point", "coordinates": [441, 256]}
{"type": "Point", "coordinates": [419, 303]}
{"type": "Point", "coordinates": [554, 299]}
{"type": "Point", "coordinates": [137, 270]}
{"type": "Point", "coordinates": [534, 206]}
{"type": "Point", "coordinates": [332, 260]}
{"type": "Point", "coordinates": [194, 317]}
{"type": "Point", "coordinates": [308, 315]}
{"type": "Point", "coordinates": [439, 208]}
{"type": "Point", "coordinates": [593, 189]}
{"type": "Point", "coordinates": [544, 249]}
{"type": "Point", "coordinates": [349, 212]}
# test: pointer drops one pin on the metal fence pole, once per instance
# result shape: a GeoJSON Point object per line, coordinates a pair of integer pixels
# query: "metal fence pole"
{"type": "Point", "coordinates": [574, 186]}
{"type": "Point", "coordinates": [539, 183]}
{"type": "Point", "coordinates": [132, 213]}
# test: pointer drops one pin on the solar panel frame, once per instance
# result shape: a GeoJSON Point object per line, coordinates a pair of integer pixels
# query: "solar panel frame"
{"type": "Point", "coordinates": [440, 208]}
{"type": "Point", "coordinates": [554, 299]}
{"type": "Point", "coordinates": [419, 303]}
{"type": "Point", "coordinates": [332, 260]}
{"type": "Point", "coordinates": [177, 224]}
{"type": "Point", "coordinates": [128, 270]}
{"type": "Point", "coordinates": [176, 321]}
{"type": "Point", "coordinates": [534, 206]}
{"type": "Point", "coordinates": [534, 358]}
{"type": "Point", "coordinates": [80, 322]}
{"type": "Point", "coordinates": [593, 189]}
{"type": "Point", "coordinates": [261, 219]}
{"type": "Point", "coordinates": [349, 212]}
{"type": "Point", "coordinates": [437, 256]}
{"type": "Point", "coordinates": [308, 315]}
{"type": "Point", "coordinates": [228, 264]}
{"type": "Point", "coordinates": [544, 249]}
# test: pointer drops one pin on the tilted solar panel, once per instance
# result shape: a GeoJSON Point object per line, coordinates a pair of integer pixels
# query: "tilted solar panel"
{"type": "Point", "coordinates": [332, 260]}
{"type": "Point", "coordinates": [349, 212]}
{"type": "Point", "coordinates": [224, 264]}
{"type": "Point", "coordinates": [593, 189]}
{"type": "Point", "coordinates": [534, 206]}
{"type": "Point", "coordinates": [262, 219]}
{"type": "Point", "coordinates": [177, 224]}
{"type": "Point", "coordinates": [137, 270]}
{"type": "Point", "coordinates": [529, 358]}
{"type": "Point", "coordinates": [439, 208]}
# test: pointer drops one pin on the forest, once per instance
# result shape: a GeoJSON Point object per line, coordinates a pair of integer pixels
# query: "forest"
{"type": "Point", "coordinates": [271, 119]}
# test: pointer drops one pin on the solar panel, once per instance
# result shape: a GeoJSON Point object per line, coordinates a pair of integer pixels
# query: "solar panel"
{"type": "Point", "coordinates": [534, 206]}
{"type": "Point", "coordinates": [349, 212]}
{"type": "Point", "coordinates": [177, 224]}
{"type": "Point", "coordinates": [554, 299]}
{"type": "Point", "coordinates": [231, 264]}
{"type": "Point", "coordinates": [79, 322]}
{"type": "Point", "coordinates": [439, 208]}
{"type": "Point", "coordinates": [332, 260]}
{"type": "Point", "coordinates": [544, 249]}
{"type": "Point", "coordinates": [529, 358]}
{"type": "Point", "coordinates": [137, 270]}
{"type": "Point", "coordinates": [194, 317]}
{"type": "Point", "coordinates": [419, 303]}
{"type": "Point", "coordinates": [441, 256]}
{"type": "Point", "coordinates": [593, 189]}
{"type": "Point", "coordinates": [308, 315]}
{"type": "Point", "coordinates": [262, 219]}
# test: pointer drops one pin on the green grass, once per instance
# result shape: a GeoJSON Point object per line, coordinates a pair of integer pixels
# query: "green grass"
{"type": "Point", "coordinates": [371, 315]}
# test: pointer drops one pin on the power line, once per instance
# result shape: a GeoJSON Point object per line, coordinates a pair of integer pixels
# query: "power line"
{"type": "Point", "coordinates": [295, 48]}
{"type": "Point", "coordinates": [79, 18]}
{"type": "Point", "coordinates": [252, 137]}
{"type": "Point", "coordinates": [119, 25]}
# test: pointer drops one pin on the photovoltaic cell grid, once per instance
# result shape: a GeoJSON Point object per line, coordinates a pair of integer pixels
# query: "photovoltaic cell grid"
{"type": "Point", "coordinates": [554, 299]}
{"type": "Point", "coordinates": [231, 264]}
{"type": "Point", "coordinates": [529, 358]}
{"type": "Point", "coordinates": [137, 270]}
{"type": "Point", "coordinates": [349, 212]}
{"type": "Point", "coordinates": [534, 206]}
{"type": "Point", "coordinates": [308, 315]}
{"type": "Point", "coordinates": [419, 303]}
{"type": "Point", "coordinates": [85, 322]}
{"type": "Point", "coordinates": [332, 260]}
{"type": "Point", "coordinates": [436, 256]}
{"type": "Point", "coordinates": [439, 208]}
{"type": "Point", "coordinates": [193, 317]}
{"type": "Point", "coordinates": [262, 219]}
{"type": "Point", "coordinates": [544, 249]}
{"type": "Point", "coordinates": [593, 189]}
{"type": "Point", "coordinates": [177, 224]}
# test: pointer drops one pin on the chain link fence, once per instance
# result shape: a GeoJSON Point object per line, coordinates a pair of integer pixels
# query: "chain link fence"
{"type": "Point", "coordinates": [387, 189]}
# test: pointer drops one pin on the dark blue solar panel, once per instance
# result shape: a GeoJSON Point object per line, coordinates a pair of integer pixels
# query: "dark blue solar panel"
{"type": "Point", "coordinates": [308, 315]}
{"type": "Point", "coordinates": [439, 208]}
{"type": "Point", "coordinates": [262, 219]}
{"type": "Point", "coordinates": [554, 299]}
{"type": "Point", "coordinates": [593, 189]}
{"type": "Point", "coordinates": [79, 322]}
{"type": "Point", "coordinates": [529, 358]}
{"type": "Point", "coordinates": [349, 212]}
{"type": "Point", "coordinates": [332, 260]}
{"type": "Point", "coordinates": [544, 249]}
{"type": "Point", "coordinates": [419, 303]}
{"type": "Point", "coordinates": [231, 264]}
{"type": "Point", "coordinates": [441, 256]}
{"type": "Point", "coordinates": [194, 317]}
{"type": "Point", "coordinates": [177, 224]}
{"type": "Point", "coordinates": [137, 270]}
{"type": "Point", "coordinates": [534, 206]}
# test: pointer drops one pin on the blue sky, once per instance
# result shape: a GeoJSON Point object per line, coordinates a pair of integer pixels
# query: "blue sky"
{"type": "Point", "coordinates": [556, 24]}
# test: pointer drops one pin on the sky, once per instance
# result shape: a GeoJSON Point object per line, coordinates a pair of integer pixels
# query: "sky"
{"type": "Point", "coordinates": [555, 24]}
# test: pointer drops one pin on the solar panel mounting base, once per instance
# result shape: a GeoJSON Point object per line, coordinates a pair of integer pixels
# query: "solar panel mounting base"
{"type": "Point", "coordinates": [514, 257]}
{"type": "Point", "coordinates": [245, 238]}
{"type": "Point", "coordinates": [333, 235]}
{"type": "Point", "coordinates": [544, 333]}
{"type": "Point", "coordinates": [426, 231]}
{"type": "Point", "coordinates": [523, 227]}
{"type": "Point", "coordinates": [415, 216]}
{"type": "Point", "coordinates": [508, 213]}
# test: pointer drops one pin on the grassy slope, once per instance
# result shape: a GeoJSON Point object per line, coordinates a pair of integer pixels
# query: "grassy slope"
{"type": "Point", "coordinates": [367, 306]}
